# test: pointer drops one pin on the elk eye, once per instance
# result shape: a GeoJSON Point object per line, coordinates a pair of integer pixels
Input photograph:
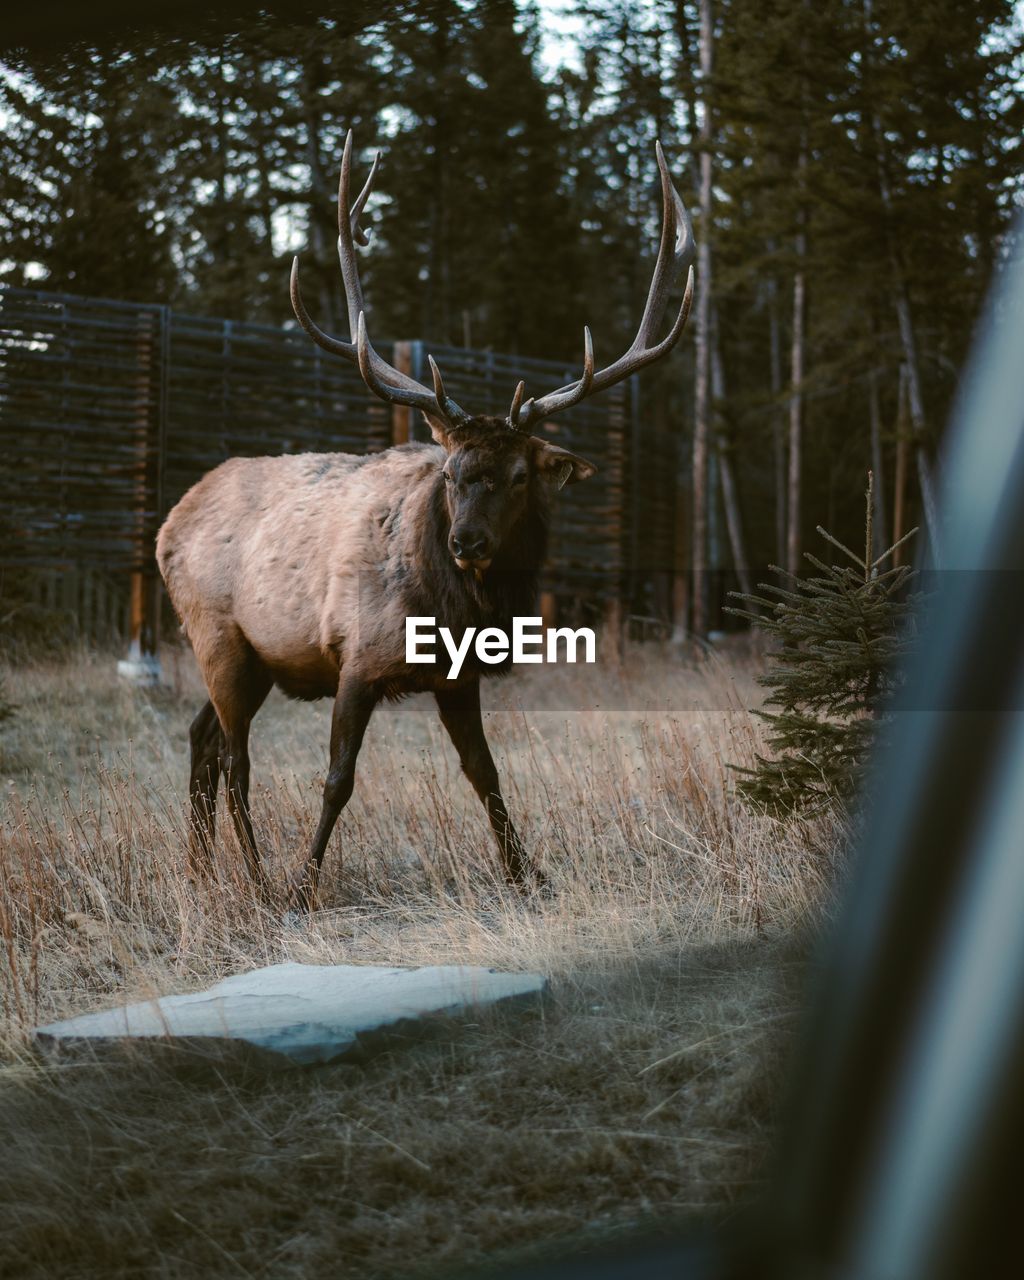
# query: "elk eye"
{"type": "Point", "coordinates": [447, 477]}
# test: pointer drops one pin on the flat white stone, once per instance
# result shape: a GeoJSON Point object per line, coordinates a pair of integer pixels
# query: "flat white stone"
{"type": "Point", "coordinates": [303, 1014]}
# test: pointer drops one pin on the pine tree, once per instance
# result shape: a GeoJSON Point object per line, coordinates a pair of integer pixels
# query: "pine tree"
{"type": "Point", "coordinates": [89, 185]}
{"type": "Point", "coordinates": [840, 634]}
{"type": "Point", "coordinates": [475, 226]}
{"type": "Point", "coordinates": [515, 203]}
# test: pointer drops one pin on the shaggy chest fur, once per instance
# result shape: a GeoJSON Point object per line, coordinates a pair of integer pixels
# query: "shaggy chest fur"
{"type": "Point", "coordinates": [420, 577]}
{"type": "Point", "coordinates": [431, 584]}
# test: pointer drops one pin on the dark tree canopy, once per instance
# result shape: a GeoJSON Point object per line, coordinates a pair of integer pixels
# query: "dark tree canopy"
{"type": "Point", "coordinates": [183, 157]}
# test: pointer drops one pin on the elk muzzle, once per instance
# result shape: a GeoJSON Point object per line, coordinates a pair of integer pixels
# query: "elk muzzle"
{"type": "Point", "coordinates": [471, 548]}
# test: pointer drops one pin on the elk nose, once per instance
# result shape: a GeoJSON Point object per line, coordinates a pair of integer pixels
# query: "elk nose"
{"type": "Point", "coordinates": [470, 546]}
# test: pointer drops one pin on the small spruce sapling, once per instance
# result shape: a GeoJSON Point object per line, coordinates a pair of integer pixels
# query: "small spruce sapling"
{"type": "Point", "coordinates": [840, 637]}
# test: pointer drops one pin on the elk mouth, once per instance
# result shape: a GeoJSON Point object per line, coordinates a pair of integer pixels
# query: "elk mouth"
{"type": "Point", "coordinates": [478, 566]}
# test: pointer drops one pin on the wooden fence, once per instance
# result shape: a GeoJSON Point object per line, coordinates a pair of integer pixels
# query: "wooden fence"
{"type": "Point", "coordinates": [109, 411]}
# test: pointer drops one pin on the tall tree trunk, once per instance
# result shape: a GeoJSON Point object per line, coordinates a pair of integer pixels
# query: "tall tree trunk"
{"type": "Point", "coordinates": [915, 406]}
{"type": "Point", "coordinates": [904, 317]}
{"type": "Point", "coordinates": [879, 524]}
{"type": "Point", "coordinates": [318, 187]}
{"type": "Point", "coordinates": [266, 204]}
{"type": "Point", "coordinates": [778, 419]}
{"type": "Point", "coordinates": [702, 381]}
{"type": "Point", "coordinates": [262, 78]}
{"type": "Point", "coordinates": [726, 473]}
{"type": "Point", "coordinates": [265, 201]}
{"type": "Point", "coordinates": [899, 519]}
{"type": "Point", "coordinates": [796, 376]}
{"type": "Point", "coordinates": [222, 241]}
{"type": "Point", "coordinates": [437, 294]}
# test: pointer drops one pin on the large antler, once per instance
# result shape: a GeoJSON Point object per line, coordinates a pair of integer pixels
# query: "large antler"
{"type": "Point", "coordinates": [382, 378]}
{"type": "Point", "coordinates": [677, 248]}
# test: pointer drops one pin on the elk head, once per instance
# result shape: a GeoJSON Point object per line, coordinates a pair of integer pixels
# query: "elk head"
{"type": "Point", "coordinates": [489, 477]}
{"type": "Point", "coordinates": [493, 462]}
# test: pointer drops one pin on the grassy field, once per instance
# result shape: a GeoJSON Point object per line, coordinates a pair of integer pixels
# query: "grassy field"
{"type": "Point", "coordinates": [645, 1089]}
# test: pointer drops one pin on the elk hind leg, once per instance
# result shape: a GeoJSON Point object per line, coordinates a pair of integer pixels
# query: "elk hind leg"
{"type": "Point", "coordinates": [238, 683]}
{"type": "Point", "coordinates": [353, 706]}
{"type": "Point", "coordinates": [206, 742]}
{"type": "Point", "coordinates": [460, 715]}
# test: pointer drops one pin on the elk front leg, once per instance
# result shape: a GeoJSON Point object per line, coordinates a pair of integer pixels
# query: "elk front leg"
{"type": "Point", "coordinates": [353, 706]}
{"type": "Point", "coordinates": [460, 715]}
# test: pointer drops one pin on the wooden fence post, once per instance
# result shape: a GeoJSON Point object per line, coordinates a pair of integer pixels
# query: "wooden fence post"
{"type": "Point", "coordinates": [142, 665]}
{"type": "Point", "coordinates": [616, 607]}
{"type": "Point", "coordinates": [613, 632]}
{"type": "Point", "coordinates": [90, 526]}
{"type": "Point", "coordinates": [401, 415]}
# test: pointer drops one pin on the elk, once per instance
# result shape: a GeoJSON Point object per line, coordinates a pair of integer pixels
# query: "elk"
{"type": "Point", "coordinates": [300, 571]}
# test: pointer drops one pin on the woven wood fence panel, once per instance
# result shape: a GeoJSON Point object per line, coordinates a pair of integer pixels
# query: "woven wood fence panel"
{"type": "Point", "coordinates": [109, 411]}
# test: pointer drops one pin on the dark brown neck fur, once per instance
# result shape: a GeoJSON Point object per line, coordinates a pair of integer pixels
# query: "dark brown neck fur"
{"type": "Point", "coordinates": [432, 585]}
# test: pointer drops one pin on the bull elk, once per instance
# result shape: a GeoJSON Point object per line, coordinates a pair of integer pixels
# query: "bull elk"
{"type": "Point", "coordinates": [300, 570]}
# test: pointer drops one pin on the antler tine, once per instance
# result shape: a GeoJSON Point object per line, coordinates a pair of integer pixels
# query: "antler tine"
{"type": "Point", "coordinates": [361, 237]}
{"type": "Point", "coordinates": [370, 367]}
{"type": "Point", "coordinates": [676, 249]}
{"type": "Point", "coordinates": [334, 345]}
{"type": "Point", "coordinates": [346, 241]}
{"type": "Point", "coordinates": [564, 398]}
{"type": "Point", "coordinates": [675, 225]}
{"type": "Point", "coordinates": [445, 404]}
{"type": "Point", "coordinates": [435, 402]}
{"type": "Point", "coordinates": [517, 400]}
{"type": "Point", "coordinates": [382, 379]}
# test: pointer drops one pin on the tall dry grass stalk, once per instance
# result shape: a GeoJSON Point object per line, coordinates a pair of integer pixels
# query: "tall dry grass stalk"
{"type": "Point", "coordinates": [625, 796]}
{"type": "Point", "coordinates": [647, 1087]}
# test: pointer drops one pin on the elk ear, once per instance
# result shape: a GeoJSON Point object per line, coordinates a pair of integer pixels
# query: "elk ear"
{"type": "Point", "coordinates": [438, 429]}
{"type": "Point", "coordinates": [559, 464]}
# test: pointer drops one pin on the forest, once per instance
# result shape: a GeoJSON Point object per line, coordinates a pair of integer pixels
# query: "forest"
{"type": "Point", "coordinates": [780, 1012]}
{"type": "Point", "coordinates": [851, 166]}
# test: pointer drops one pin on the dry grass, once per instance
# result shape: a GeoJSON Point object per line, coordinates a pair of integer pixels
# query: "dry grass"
{"type": "Point", "coordinates": [647, 1087]}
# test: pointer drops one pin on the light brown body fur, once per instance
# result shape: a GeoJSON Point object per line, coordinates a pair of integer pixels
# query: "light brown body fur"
{"type": "Point", "coordinates": [284, 555]}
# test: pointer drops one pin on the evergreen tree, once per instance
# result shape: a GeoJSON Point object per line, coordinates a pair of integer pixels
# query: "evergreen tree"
{"type": "Point", "coordinates": [514, 205]}
{"type": "Point", "coordinates": [90, 207]}
{"type": "Point", "coordinates": [477, 237]}
{"type": "Point", "coordinates": [623, 99]}
{"type": "Point", "coordinates": [841, 634]}
{"type": "Point", "coordinates": [232, 136]}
